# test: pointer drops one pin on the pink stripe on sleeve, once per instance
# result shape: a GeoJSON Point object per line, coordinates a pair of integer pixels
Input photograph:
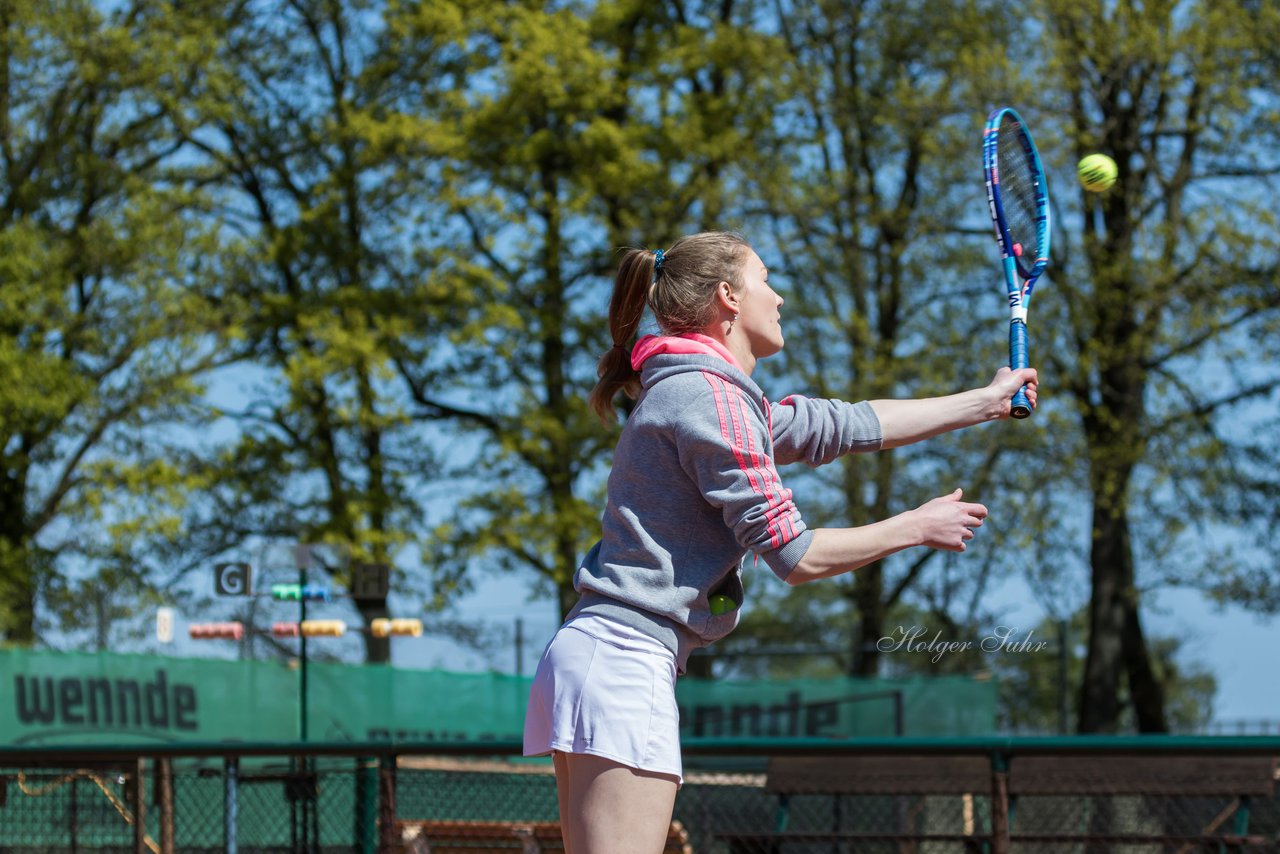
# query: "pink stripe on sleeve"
{"type": "Point", "coordinates": [759, 469]}
{"type": "Point", "coordinates": [721, 397]}
{"type": "Point", "coordinates": [778, 495]}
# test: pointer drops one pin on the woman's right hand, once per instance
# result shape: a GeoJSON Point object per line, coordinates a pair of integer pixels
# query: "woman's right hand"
{"type": "Point", "coordinates": [947, 522]}
{"type": "Point", "coordinates": [943, 523]}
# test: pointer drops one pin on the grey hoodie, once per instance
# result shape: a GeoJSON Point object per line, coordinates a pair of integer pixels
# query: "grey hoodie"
{"type": "Point", "coordinates": [694, 488]}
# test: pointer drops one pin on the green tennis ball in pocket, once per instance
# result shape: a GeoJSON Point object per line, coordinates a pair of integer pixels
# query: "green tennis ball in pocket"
{"type": "Point", "coordinates": [1097, 172]}
{"type": "Point", "coordinates": [721, 604]}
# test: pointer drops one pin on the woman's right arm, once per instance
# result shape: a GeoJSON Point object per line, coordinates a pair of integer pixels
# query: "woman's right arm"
{"type": "Point", "coordinates": [943, 523]}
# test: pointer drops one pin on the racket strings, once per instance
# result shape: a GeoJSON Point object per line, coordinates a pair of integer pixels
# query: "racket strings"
{"type": "Point", "coordinates": [1019, 192]}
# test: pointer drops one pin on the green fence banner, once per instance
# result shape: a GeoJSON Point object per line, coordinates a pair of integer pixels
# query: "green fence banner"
{"type": "Point", "coordinates": [378, 702]}
{"type": "Point", "coordinates": [80, 698]}
{"type": "Point", "coordinates": [837, 708]}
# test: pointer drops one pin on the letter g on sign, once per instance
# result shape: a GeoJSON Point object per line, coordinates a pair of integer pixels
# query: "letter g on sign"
{"type": "Point", "coordinates": [232, 579]}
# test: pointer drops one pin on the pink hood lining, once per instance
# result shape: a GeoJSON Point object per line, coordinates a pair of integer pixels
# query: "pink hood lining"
{"type": "Point", "coordinates": [688, 344]}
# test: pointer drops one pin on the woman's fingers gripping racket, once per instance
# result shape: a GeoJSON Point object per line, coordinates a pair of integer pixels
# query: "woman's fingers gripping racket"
{"type": "Point", "coordinates": [948, 523]}
{"type": "Point", "coordinates": [1008, 382]}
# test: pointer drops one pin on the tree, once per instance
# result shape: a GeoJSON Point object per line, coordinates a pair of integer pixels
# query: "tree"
{"type": "Point", "coordinates": [1171, 304]}
{"type": "Point", "coordinates": [305, 128]}
{"type": "Point", "coordinates": [875, 165]}
{"type": "Point", "coordinates": [1038, 694]}
{"type": "Point", "coordinates": [571, 130]}
{"type": "Point", "coordinates": [1155, 280]}
{"type": "Point", "coordinates": [103, 295]}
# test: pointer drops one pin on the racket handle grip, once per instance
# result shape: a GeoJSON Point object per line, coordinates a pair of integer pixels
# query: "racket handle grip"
{"type": "Point", "coordinates": [1021, 406]}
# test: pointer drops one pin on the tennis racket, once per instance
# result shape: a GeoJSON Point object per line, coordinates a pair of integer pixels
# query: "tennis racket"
{"type": "Point", "coordinates": [1019, 201]}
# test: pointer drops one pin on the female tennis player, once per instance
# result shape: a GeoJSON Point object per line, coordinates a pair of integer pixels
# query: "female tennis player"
{"type": "Point", "coordinates": [693, 489]}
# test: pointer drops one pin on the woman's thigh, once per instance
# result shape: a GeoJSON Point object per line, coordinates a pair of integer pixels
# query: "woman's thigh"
{"type": "Point", "coordinates": [608, 808]}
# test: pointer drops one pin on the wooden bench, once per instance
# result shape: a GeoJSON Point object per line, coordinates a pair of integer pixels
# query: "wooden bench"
{"type": "Point", "coordinates": [1232, 780]}
{"type": "Point", "coordinates": [501, 837]}
{"type": "Point", "coordinates": [914, 777]}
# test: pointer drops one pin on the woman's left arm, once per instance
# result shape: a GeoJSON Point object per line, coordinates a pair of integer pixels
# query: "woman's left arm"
{"type": "Point", "coordinates": [906, 421]}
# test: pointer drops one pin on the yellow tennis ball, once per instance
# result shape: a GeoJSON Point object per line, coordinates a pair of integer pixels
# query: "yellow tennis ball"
{"type": "Point", "coordinates": [1097, 172]}
{"type": "Point", "coordinates": [721, 604]}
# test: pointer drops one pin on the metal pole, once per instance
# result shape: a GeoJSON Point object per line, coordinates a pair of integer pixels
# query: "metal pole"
{"type": "Point", "coordinates": [231, 804]}
{"type": "Point", "coordinates": [519, 646]}
{"type": "Point", "coordinates": [75, 817]}
{"type": "Point", "coordinates": [303, 765]}
{"type": "Point", "coordinates": [366, 812]}
{"type": "Point", "coordinates": [387, 802]}
{"type": "Point", "coordinates": [1064, 706]}
{"type": "Point", "coordinates": [302, 654]}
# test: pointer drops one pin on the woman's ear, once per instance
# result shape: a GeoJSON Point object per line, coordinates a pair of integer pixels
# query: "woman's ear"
{"type": "Point", "coordinates": [727, 297]}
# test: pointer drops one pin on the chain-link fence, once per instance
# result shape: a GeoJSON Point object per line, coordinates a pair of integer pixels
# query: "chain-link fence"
{"type": "Point", "coordinates": [1034, 795]}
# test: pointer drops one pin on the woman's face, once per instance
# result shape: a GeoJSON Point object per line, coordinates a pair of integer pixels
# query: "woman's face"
{"type": "Point", "coordinates": [758, 318]}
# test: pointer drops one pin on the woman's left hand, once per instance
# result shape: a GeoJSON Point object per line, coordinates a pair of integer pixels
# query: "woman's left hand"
{"type": "Point", "coordinates": [1006, 385]}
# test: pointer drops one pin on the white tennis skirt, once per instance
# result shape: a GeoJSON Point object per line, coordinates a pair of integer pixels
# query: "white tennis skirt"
{"type": "Point", "coordinates": [605, 689]}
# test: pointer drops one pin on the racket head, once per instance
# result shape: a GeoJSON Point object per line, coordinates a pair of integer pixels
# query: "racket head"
{"type": "Point", "coordinates": [1017, 194]}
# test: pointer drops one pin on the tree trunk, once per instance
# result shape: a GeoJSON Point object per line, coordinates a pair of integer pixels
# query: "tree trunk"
{"type": "Point", "coordinates": [17, 571]}
{"type": "Point", "coordinates": [867, 593]}
{"type": "Point", "coordinates": [1100, 692]}
{"type": "Point", "coordinates": [19, 599]}
{"type": "Point", "coordinates": [566, 596]}
{"type": "Point", "coordinates": [1145, 687]}
{"type": "Point", "coordinates": [376, 650]}
{"type": "Point", "coordinates": [1117, 646]}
